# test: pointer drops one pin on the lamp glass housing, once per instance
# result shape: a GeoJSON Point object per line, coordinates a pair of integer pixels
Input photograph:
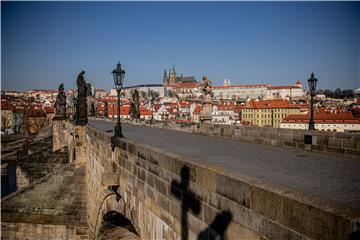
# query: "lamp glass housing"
{"type": "Point", "coordinates": [118, 75]}
{"type": "Point", "coordinates": [312, 84]}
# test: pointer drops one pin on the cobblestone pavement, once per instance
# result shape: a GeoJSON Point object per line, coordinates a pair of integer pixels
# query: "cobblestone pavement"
{"type": "Point", "coordinates": [328, 176]}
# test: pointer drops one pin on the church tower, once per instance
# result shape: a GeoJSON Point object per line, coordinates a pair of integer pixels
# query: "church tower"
{"type": "Point", "coordinates": [172, 76]}
{"type": "Point", "coordinates": [165, 79]}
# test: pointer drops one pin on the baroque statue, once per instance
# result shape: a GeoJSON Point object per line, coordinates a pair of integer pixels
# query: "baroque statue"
{"type": "Point", "coordinates": [207, 89]}
{"type": "Point", "coordinates": [135, 105]}
{"type": "Point", "coordinates": [60, 103]}
{"type": "Point", "coordinates": [81, 105]}
{"type": "Point", "coordinates": [206, 114]}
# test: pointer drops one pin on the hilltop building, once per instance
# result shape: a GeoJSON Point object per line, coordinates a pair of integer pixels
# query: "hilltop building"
{"type": "Point", "coordinates": [257, 91]}
{"type": "Point", "coordinates": [173, 83]}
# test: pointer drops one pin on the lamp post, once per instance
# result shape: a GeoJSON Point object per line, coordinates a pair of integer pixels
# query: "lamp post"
{"type": "Point", "coordinates": [312, 87]}
{"type": "Point", "coordinates": [118, 75]}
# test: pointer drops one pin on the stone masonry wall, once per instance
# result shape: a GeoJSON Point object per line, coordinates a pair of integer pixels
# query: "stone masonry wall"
{"type": "Point", "coordinates": [60, 134]}
{"type": "Point", "coordinates": [149, 182]}
{"type": "Point", "coordinates": [18, 231]}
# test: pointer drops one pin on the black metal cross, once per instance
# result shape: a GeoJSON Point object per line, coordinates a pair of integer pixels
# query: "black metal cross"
{"type": "Point", "coordinates": [188, 199]}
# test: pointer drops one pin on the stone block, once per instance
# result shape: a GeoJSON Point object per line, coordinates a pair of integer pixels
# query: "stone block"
{"type": "Point", "coordinates": [175, 209]}
{"type": "Point", "coordinates": [195, 224]}
{"type": "Point", "coordinates": [275, 231]}
{"type": "Point", "coordinates": [163, 202]}
{"type": "Point", "coordinates": [335, 150]}
{"type": "Point", "coordinates": [289, 144]}
{"type": "Point", "coordinates": [335, 142]}
{"type": "Point", "coordinates": [109, 179]}
{"type": "Point", "coordinates": [143, 153]}
{"type": "Point", "coordinates": [149, 191]}
{"type": "Point", "coordinates": [161, 186]}
{"type": "Point", "coordinates": [319, 148]}
{"type": "Point", "coordinates": [245, 216]}
{"type": "Point", "coordinates": [354, 153]}
{"type": "Point", "coordinates": [342, 135]}
{"type": "Point", "coordinates": [209, 214]}
{"type": "Point", "coordinates": [266, 203]}
{"type": "Point", "coordinates": [200, 193]}
{"type": "Point", "coordinates": [349, 144]}
{"type": "Point", "coordinates": [132, 148]}
{"type": "Point", "coordinates": [313, 222]}
{"type": "Point", "coordinates": [237, 231]}
{"type": "Point", "coordinates": [179, 164]}
{"type": "Point", "coordinates": [154, 169]}
{"type": "Point", "coordinates": [298, 137]}
{"type": "Point", "coordinates": [320, 140]}
{"type": "Point", "coordinates": [141, 174]}
{"type": "Point", "coordinates": [233, 189]}
{"type": "Point", "coordinates": [206, 178]}
{"type": "Point", "coordinates": [150, 179]}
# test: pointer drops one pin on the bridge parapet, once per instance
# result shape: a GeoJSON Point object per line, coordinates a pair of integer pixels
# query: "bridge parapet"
{"type": "Point", "coordinates": [320, 141]}
{"type": "Point", "coordinates": [149, 181]}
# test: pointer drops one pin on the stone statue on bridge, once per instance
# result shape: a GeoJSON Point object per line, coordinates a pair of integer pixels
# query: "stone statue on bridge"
{"type": "Point", "coordinates": [206, 114]}
{"type": "Point", "coordinates": [135, 105]}
{"type": "Point", "coordinates": [81, 104]}
{"type": "Point", "coordinates": [60, 104]}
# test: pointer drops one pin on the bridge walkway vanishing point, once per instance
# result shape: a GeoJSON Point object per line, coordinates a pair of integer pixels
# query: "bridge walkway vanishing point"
{"type": "Point", "coordinates": [327, 176]}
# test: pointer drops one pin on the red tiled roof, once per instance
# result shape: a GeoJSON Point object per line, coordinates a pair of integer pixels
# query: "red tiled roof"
{"type": "Point", "coordinates": [269, 104]}
{"type": "Point", "coordinates": [49, 109]}
{"type": "Point", "coordinates": [322, 117]}
{"type": "Point", "coordinates": [5, 105]}
{"type": "Point", "coordinates": [224, 107]}
{"type": "Point", "coordinates": [145, 111]}
{"type": "Point", "coordinates": [198, 109]}
{"type": "Point", "coordinates": [186, 85]}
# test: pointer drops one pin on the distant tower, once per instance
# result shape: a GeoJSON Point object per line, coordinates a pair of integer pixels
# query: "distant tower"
{"type": "Point", "coordinates": [298, 84]}
{"type": "Point", "coordinates": [227, 82]}
{"type": "Point", "coordinates": [172, 76]}
{"type": "Point", "coordinates": [165, 79]}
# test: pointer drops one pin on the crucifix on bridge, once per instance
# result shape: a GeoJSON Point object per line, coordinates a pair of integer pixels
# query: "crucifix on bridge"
{"type": "Point", "coordinates": [188, 199]}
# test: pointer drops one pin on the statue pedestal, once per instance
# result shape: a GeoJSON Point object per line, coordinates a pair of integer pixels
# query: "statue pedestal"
{"type": "Point", "coordinates": [206, 113]}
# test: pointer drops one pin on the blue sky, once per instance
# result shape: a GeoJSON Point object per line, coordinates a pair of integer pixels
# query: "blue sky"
{"type": "Point", "coordinates": [46, 43]}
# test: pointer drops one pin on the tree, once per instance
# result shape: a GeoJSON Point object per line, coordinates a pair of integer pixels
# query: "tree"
{"type": "Point", "coordinates": [5, 120]}
{"type": "Point", "coordinates": [348, 93]}
{"type": "Point", "coordinates": [338, 93]}
{"type": "Point", "coordinates": [18, 122]}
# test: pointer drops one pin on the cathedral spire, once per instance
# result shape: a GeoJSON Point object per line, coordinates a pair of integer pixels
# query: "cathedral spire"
{"type": "Point", "coordinates": [172, 71]}
{"type": "Point", "coordinates": [164, 77]}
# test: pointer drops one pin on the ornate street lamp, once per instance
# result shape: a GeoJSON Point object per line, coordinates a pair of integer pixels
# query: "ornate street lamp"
{"type": "Point", "coordinates": [312, 87]}
{"type": "Point", "coordinates": [118, 75]}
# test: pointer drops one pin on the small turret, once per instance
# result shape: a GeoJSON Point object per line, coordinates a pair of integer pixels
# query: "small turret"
{"type": "Point", "coordinates": [298, 84]}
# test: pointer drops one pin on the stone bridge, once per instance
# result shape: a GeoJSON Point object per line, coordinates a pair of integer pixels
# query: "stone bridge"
{"type": "Point", "coordinates": [165, 184]}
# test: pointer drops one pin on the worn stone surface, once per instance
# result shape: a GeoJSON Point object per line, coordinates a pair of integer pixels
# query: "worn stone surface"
{"type": "Point", "coordinates": [258, 209]}
{"type": "Point", "coordinates": [328, 176]}
{"type": "Point", "coordinates": [59, 198]}
{"type": "Point", "coordinates": [143, 183]}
